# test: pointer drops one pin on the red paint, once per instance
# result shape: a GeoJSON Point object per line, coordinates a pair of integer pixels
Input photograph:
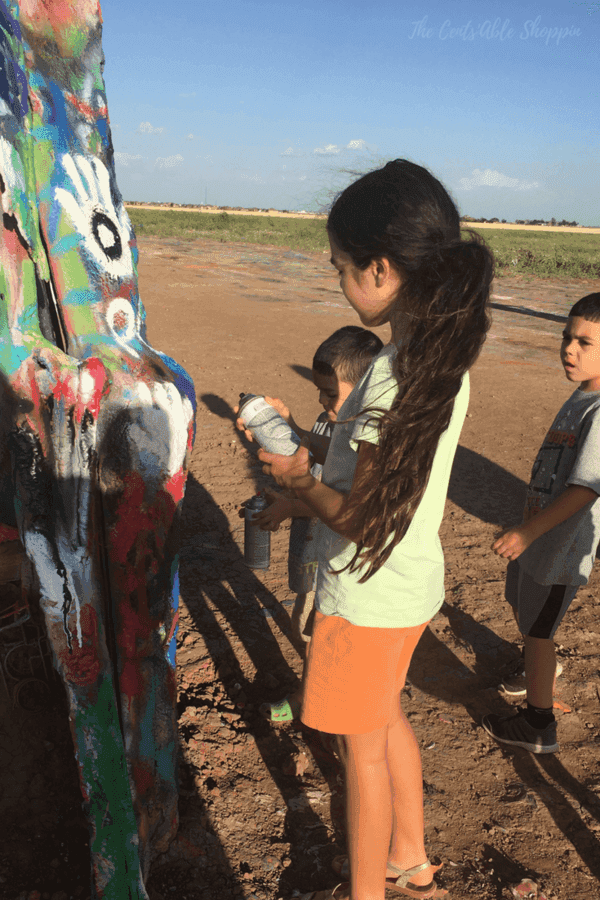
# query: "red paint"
{"type": "Point", "coordinates": [101, 386]}
{"type": "Point", "coordinates": [174, 625]}
{"type": "Point", "coordinates": [8, 534]}
{"type": "Point", "coordinates": [82, 666]}
{"type": "Point", "coordinates": [131, 682]}
{"type": "Point", "coordinates": [175, 486]}
{"type": "Point", "coordinates": [36, 103]}
{"type": "Point", "coordinates": [63, 389]}
{"type": "Point", "coordinates": [85, 109]}
{"type": "Point", "coordinates": [143, 776]}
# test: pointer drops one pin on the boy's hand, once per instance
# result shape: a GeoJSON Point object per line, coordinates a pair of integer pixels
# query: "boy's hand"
{"type": "Point", "coordinates": [239, 424]}
{"type": "Point", "coordinates": [281, 408]}
{"type": "Point", "coordinates": [279, 405]}
{"type": "Point", "coordinates": [289, 471]}
{"type": "Point", "coordinates": [510, 544]}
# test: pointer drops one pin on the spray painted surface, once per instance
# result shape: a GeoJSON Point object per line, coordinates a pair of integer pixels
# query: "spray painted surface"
{"type": "Point", "coordinates": [96, 427]}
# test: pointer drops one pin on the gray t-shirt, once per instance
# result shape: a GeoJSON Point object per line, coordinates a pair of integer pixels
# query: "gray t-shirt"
{"type": "Point", "coordinates": [570, 454]}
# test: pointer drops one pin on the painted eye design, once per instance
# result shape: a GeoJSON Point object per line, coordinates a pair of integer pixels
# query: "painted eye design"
{"type": "Point", "coordinates": [107, 235]}
{"type": "Point", "coordinates": [121, 319]}
{"type": "Point", "coordinates": [105, 230]}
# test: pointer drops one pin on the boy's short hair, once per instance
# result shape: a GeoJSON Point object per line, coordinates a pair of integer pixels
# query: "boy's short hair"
{"type": "Point", "coordinates": [587, 308]}
{"type": "Point", "coordinates": [347, 353]}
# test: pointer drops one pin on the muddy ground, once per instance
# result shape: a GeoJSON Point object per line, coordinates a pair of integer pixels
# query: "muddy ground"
{"type": "Point", "coordinates": [262, 806]}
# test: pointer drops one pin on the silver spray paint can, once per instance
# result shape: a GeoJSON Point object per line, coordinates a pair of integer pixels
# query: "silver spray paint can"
{"type": "Point", "coordinates": [269, 429]}
{"type": "Point", "coordinates": [257, 543]}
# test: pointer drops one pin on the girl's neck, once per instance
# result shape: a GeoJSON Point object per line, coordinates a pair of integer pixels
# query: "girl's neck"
{"type": "Point", "coordinates": [398, 324]}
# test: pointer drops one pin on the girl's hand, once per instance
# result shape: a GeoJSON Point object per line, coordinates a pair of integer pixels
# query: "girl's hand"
{"type": "Point", "coordinates": [280, 508]}
{"type": "Point", "coordinates": [290, 472]}
{"type": "Point", "coordinates": [510, 544]}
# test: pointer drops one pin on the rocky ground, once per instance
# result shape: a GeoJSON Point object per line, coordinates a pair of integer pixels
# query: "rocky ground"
{"type": "Point", "coordinates": [262, 806]}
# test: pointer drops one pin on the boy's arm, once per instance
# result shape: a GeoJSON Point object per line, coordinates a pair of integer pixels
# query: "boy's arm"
{"type": "Point", "coordinates": [318, 446]}
{"type": "Point", "coordinates": [513, 542]}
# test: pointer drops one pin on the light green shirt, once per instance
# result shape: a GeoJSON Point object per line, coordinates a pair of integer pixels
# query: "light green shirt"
{"type": "Point", "coordinates": [409, 588]}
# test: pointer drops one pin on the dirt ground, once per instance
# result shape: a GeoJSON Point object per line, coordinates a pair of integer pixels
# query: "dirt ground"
{"type": "Point", "coordinates": [262, 806]}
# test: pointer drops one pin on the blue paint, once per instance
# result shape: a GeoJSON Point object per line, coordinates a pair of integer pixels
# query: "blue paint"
{"type": "Point", "coordinates": [172, 648]}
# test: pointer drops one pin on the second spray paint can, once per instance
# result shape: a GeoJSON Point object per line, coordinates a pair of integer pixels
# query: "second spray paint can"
{"type": "Point", "coordinates": [257, 543]}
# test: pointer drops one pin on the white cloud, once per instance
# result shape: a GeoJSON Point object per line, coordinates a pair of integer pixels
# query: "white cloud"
{"type": "Point", "coordinates": [291, 152]}
{"type": "Point", "coordinates": [356, 145]}
{"type": "Point", "coordinates": [125, 158]}
{"type": "Point", "coordinates": [148, 128]}
{"type": "Point", "coordinates": [491, 178]}
{"type": "Point", "coordinates": [327, 150]}
{"type": "Point", "coordinates": [168, 162]}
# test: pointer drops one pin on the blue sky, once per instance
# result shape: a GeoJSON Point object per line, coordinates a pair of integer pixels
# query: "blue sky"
{"type": "Point", "coordinates": [252, 103]}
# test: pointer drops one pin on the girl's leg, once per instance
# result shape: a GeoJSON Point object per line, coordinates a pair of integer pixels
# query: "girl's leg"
{"type": "Point", "coordinates": [368, 812]}
{"type": "Point", "coordinates": [384, 787]}
{"type": "Point", "coordinates": [406, 777]}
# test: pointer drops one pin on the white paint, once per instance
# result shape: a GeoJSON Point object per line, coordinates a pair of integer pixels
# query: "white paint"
{"type": "Point", "coordinates": [122, 308]}
{"type": "Point", "coordinates": [87, 384]}
{"type": "Point", "coordinates": [91, 194]}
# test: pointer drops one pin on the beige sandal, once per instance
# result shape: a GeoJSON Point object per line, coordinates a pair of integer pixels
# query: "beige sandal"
{"type": "Point", "coordinates": [401, 882]}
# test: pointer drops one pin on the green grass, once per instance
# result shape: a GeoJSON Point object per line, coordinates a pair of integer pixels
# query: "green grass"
{"type": "Point", "coordinates": [544, 255]}
{"type": "Point", "coordinates": [538, 254]}
{"type": "Point", "coordinates": [297, 234]}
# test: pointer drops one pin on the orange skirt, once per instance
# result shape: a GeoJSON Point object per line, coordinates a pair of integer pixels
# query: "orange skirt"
{"type": "Point", "coordinates": [354, 674]}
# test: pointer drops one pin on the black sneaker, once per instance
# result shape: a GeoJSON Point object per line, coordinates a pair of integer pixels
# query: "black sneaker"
{"type": "Point", "coordinates": [513, 683]}
{"type": "Point", "coordinates": [517, 732]}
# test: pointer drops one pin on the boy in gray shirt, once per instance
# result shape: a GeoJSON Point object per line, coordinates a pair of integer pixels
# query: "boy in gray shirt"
{"type": "Point", "coordinates": [551, 554]}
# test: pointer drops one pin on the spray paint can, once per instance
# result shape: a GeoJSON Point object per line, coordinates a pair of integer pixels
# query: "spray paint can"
{"type": "Point", "coordinates": [257, 543]}
{"type": "Point", "coordinates": [268, 428]}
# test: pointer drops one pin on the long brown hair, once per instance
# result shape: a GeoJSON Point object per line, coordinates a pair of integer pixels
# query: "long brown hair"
{"type": "Point", "coordinates": [402, 213]}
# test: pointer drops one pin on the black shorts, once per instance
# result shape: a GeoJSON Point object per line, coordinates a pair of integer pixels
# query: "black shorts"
{"type": "Point", "coordinates": [540, 608]}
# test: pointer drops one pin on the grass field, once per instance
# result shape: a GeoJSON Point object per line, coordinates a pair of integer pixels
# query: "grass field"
{"type": "Point", "coordinates": [539, 254]}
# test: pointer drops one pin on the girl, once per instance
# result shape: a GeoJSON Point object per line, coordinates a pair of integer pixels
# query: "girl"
{"type": "Point", "coordinates": [396, 243]}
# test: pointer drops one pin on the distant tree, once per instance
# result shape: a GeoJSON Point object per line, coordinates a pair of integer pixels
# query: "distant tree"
{"type": "Point", "coordinates": [553, 221]}
{"type": "Point", "coordinates": [494, 220]}
{"type": "Point", "coordinates": [504, 221]}
{"type": "Point", "coordinates": [520, 222]}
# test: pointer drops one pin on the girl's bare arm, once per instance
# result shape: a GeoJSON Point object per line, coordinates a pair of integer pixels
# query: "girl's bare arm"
{"type": "Point", "coordinates": [337, 510]}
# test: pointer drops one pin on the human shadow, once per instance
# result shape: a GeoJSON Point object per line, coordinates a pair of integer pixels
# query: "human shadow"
{"type": "Point", "coordinates": [217, 406]}
{"type": "Point", "coordinates": [303, 371]}
{"type": "Point", "coordinates": [484, 489]}
{"type": "Point", "coordinates": [525, 311]}
{"type": "Point", "coordinates": [231, 609]}
{"type": "Point", "coordinates": [547, 781]}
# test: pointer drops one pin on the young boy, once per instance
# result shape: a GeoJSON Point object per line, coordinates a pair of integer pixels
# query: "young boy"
{"type": "Point", "coordinates": [338, 365]}
{"type": "Point", "coordinates": [551, 554]}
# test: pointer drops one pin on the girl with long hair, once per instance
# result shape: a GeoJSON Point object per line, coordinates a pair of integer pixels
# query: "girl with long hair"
{"type": "Point", "coordinates": [396, 242]}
